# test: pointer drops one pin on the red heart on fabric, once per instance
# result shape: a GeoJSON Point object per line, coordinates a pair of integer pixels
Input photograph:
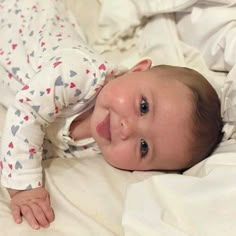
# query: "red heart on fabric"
{"type": "Point", "coordinates": [10, 166]}
{"type": "Point", "coordinates": [72, 85]}
{"type": "Point", "coordinates": [55, 64]}
{"type": "Point", "coordinates": [25, 87]}
{"type": "Point", "coordinates": [14, 45]}
{"type": "Point", "coordinates": [32, 150]}
{"type": "Point", "coordinates": [26, 118]}
{"type": "Point", "coordinates": [10, 145]}
{"type": "Point", "coordinates": [48, 90]}
{"type": "Point", "coordinates": [102, 67]}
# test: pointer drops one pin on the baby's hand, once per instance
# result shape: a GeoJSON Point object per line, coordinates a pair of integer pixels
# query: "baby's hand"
{"type": "Point", "coordinates": [34, 205]}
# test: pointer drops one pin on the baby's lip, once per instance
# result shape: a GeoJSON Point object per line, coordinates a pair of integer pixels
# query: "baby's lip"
{"type": "Point", "coordinates": [103, 128]}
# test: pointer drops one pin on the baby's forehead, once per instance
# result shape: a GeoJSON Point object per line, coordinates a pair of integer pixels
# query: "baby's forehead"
{"type": "Point", "coordinates": [173, 121]}
{"type": "Point", "coordinates": [176, 83]}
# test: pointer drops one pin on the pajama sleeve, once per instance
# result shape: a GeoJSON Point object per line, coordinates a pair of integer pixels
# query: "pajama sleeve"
{"type": "Point", "coordinates": [62, 83]}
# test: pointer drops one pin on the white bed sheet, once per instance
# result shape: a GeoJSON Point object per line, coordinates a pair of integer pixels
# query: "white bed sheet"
{"type": "Point", "coordinates": [92, 198]}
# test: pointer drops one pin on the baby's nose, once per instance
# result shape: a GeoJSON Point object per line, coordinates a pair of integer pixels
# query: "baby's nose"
{"type": "Point", "coordinates": [127, 128]}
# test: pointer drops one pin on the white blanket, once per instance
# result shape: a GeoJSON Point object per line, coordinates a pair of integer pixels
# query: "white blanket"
{"type": "Point", "coordinates": [201, 201]}
{"type": "Point", "coordinates": [90, 197]}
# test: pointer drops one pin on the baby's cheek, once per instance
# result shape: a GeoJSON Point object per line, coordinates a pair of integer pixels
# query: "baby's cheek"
{"type": "Point", "coordinates": [122, 156]}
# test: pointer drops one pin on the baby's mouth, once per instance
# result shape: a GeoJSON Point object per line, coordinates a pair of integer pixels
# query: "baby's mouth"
{"type": "Point", "coordinates": [103, 128]}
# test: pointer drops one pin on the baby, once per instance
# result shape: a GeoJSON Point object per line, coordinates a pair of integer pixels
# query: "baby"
{"type": "Point", "coordinates": [65, 100]}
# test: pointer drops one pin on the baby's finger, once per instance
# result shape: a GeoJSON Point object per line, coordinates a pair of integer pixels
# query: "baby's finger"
{"type": "Point", "coordinates": [15, 210]}
{"type": "Point", "coordinates": [39, 215]}
{"type": "Point", "coordinates": [48, 211]}
{"type": "Point", "coordinates": [29, 216]}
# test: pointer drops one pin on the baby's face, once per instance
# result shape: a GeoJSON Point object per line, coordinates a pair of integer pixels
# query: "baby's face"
{"type": "Point", "coordinates": [142, 122]}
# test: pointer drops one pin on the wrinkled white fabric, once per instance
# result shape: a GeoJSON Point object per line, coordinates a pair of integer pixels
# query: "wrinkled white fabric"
{"type": "Point", "coordinates": [216, 40]}
{"type": "Point", "coordinates": [200, 202]}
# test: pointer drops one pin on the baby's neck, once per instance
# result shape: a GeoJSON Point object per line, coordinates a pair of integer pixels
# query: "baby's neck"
{"type": "Point", "coordinates": [80, 127]}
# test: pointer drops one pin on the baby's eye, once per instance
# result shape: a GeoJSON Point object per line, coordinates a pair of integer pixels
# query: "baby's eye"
{"type": "Point", "coordinates": [144, 108]}
{"type": "Point", "coordinates": [143, 148]}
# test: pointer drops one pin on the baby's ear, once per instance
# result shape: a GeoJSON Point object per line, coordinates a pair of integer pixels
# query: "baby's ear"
{"type": "Point", "coordinates": [142, 65]}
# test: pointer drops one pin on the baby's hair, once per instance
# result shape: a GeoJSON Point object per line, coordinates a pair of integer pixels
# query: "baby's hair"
{"type": "Point", "coordinates": [206, 119]}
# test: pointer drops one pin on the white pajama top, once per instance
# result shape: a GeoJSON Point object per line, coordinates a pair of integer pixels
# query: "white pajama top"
{"type": "Point", "coordinates": [49, 77]}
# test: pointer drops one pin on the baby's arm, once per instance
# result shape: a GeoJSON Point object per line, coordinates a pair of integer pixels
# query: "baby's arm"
{"type": "Point", "coordinates": [22, 141]}
{"type": "Point", "coordinates": [34, 205]}
{"type": "Point", "coordinates": [67, 80]}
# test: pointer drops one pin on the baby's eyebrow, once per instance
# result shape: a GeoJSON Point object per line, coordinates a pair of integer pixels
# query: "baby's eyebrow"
{"type": "Point", "coordinates": [152, 152]}
{"type": "Point", "coordinates": [152, 104]}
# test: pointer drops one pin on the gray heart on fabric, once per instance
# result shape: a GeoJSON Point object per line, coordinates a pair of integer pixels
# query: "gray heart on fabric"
{"type": "Point", "coordinates": [59, 81]}
{"type": "Point", "coordinates": [14, 129]}
{"type": "Point", "coordinates": [18, 165]}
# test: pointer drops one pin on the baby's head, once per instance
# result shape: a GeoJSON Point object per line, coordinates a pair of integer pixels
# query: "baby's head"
{"type": "Point", "coordinates": [205, 123]}
{"type": "Point", "coordinates": [159, 118]}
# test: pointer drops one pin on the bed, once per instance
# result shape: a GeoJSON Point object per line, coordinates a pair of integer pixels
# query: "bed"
{"type": "Point", "coordinates": [90, 197]}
